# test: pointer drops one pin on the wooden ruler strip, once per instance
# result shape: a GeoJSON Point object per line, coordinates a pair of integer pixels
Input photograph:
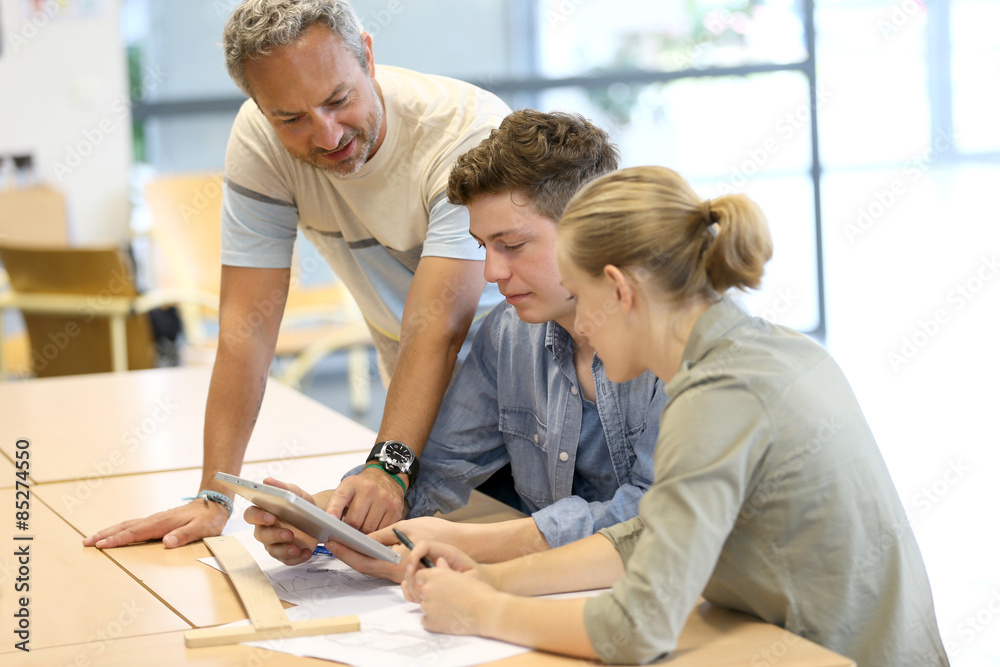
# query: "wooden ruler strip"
{"type": "Point", "coordinates": [267, 617]}
{"type": "Point", "coordinates": [245, 633]}
{"type": "Point", "coordinates": [252, 585]}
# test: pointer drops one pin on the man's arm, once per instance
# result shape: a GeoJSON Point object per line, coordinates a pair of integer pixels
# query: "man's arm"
{"type": "Point", "coordinates": [253, 302]}
{"type": "Point", "coordinates": [465, 447]}
{"type": "Point", "coordinates": [439, 309]}
{"type": "Point", "coordinates": [251, 306]}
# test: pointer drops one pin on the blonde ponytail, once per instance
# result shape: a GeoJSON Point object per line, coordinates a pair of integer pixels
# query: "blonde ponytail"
{"type": "Point", "coordinates": [742, 245]}
{"type": "Point", "coordinates": [650, 221]}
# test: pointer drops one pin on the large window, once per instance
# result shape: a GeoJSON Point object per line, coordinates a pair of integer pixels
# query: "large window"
{"type": "Point", "coordinates": [736, 95]}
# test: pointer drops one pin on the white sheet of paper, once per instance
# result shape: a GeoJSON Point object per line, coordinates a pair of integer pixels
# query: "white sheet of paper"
{"type": "Point", "coordinates": [322, 580]}
{"type": "Point", "coordinates": [393, 636]}
{"type": "Point", "coordinates": [391, 630]}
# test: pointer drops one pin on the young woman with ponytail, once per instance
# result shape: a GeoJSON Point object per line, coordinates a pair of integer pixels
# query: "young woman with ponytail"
{"type": "Point", "coordinates": [770, 495]}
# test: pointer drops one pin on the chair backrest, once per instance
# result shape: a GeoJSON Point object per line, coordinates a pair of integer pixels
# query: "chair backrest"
{"type": "Point", "coordinates": [32, 215]}
{"type": "Point", "coordinates": [79, 340]}
{"type": "Point", "coordinates": [186, 212]}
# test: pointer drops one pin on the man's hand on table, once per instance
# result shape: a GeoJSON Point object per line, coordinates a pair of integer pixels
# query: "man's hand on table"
{"type": "Point", "coordinates": [177, 526]}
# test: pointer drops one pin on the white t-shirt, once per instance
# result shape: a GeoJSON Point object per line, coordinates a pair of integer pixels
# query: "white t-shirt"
{"type": "Point", "coordinates": [372, 227]}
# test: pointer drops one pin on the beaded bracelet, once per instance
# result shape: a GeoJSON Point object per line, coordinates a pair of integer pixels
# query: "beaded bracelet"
{"type": "Point", "coordinates": [398, 480]}
{"type": "Point", "coordinates": [215, 497]}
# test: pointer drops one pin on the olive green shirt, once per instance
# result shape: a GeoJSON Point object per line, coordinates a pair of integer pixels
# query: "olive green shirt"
{"type": "Point", "coordinates": [770, 497]}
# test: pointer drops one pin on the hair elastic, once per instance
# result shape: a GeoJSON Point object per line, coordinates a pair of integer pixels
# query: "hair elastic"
{"type": "Point", "coordinates": [706, 212]}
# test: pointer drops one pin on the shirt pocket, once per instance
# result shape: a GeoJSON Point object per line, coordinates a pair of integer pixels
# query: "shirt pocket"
{"type": "Point", "coordinates": [525, 437]}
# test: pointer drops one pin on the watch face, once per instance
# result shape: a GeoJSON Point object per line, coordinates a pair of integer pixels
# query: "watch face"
{"type": "Point", "coordinates": [397, 455]}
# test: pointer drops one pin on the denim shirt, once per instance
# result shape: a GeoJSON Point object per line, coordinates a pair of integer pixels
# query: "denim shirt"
{"type": "Point", "coordinates": [517, 399]}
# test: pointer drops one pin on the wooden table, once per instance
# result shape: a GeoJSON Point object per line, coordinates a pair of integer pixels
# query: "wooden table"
{"type": "Point", "coordinates": [131, 605]}
{"type": "Point", "coordinates": [74, 595]}
{"type": "Point", "coordinates": [96, 426]}
{"type": "Point", "coordinates": [201, 595]}
{"type": "Point", "coordinates": [7, 471]}
{"type": "Point", "coordinates": [713, 637]}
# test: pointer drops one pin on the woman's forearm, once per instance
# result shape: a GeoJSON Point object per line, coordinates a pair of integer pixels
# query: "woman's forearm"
{"type": "Point", "coordinates": [549, 625]}
{"type": "Point", "coordinates": [590, 563]}
{"type": "Point", "coordinates": [500, 541]}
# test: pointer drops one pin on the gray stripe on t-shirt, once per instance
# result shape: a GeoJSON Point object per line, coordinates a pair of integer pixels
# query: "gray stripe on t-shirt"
{"type": "Point", "coordinates": [442, 196]}
{"type": "Point", "coordinates": [246, 192]}
{"type": "Point", "coordinates": [354, 245]}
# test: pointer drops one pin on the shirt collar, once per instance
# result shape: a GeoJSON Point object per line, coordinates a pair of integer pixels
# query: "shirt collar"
{"type": "Point", "coordinates": [721, 317]}
{"type": "Point", "coordinates": [558, 341]}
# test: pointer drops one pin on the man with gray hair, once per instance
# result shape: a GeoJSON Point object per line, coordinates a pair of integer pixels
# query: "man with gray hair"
{"type": "Point", "coordinates": [357, 158]}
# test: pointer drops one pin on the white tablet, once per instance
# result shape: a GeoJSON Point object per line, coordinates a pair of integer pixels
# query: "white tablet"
{"type": "Point", "coordinates": [306, 516]}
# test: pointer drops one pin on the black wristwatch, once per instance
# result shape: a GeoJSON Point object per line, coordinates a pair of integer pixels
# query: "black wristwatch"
{"type": "Point", "coordinates": [395, 457]}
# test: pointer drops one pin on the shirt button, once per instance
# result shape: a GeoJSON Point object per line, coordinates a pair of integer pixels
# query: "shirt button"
{"type": "Point", "coordinates": [573, 390]}
{"type": "Point", "coordinates": [563, 456]}
{"type": "Point", "coordinates": [536, 438]}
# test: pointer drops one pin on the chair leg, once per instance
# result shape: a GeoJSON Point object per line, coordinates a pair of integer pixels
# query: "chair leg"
{"type": "Point", "coordinates": [359, 379]}
{"type": "Point", "coordinates": [119, 352]}
{"type": "Point", "coordinates": [359, 382]}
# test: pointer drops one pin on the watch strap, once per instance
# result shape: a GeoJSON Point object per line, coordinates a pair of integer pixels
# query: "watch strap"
{"type": "Point", "coordinates": [414, 468]}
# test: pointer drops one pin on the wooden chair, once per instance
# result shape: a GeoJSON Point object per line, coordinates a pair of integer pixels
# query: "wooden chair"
{"type": "Point", "coordinates": [81, 309]}
{"type": "Point", "coordinates": [31, 215]}
{"type": "Point", "coordinates": [186, 212]}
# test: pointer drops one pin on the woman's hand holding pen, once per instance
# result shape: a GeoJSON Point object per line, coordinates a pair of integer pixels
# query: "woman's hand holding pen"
{"type": "Point", "coordinates": [456, 596]}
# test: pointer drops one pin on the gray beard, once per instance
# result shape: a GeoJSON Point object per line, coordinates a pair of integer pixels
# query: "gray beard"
{"type": "Point", "coordinates": [366, 147]}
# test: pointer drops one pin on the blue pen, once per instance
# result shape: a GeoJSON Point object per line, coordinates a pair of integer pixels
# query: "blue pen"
{"type": "Point", "coordinates": [424, 560]}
